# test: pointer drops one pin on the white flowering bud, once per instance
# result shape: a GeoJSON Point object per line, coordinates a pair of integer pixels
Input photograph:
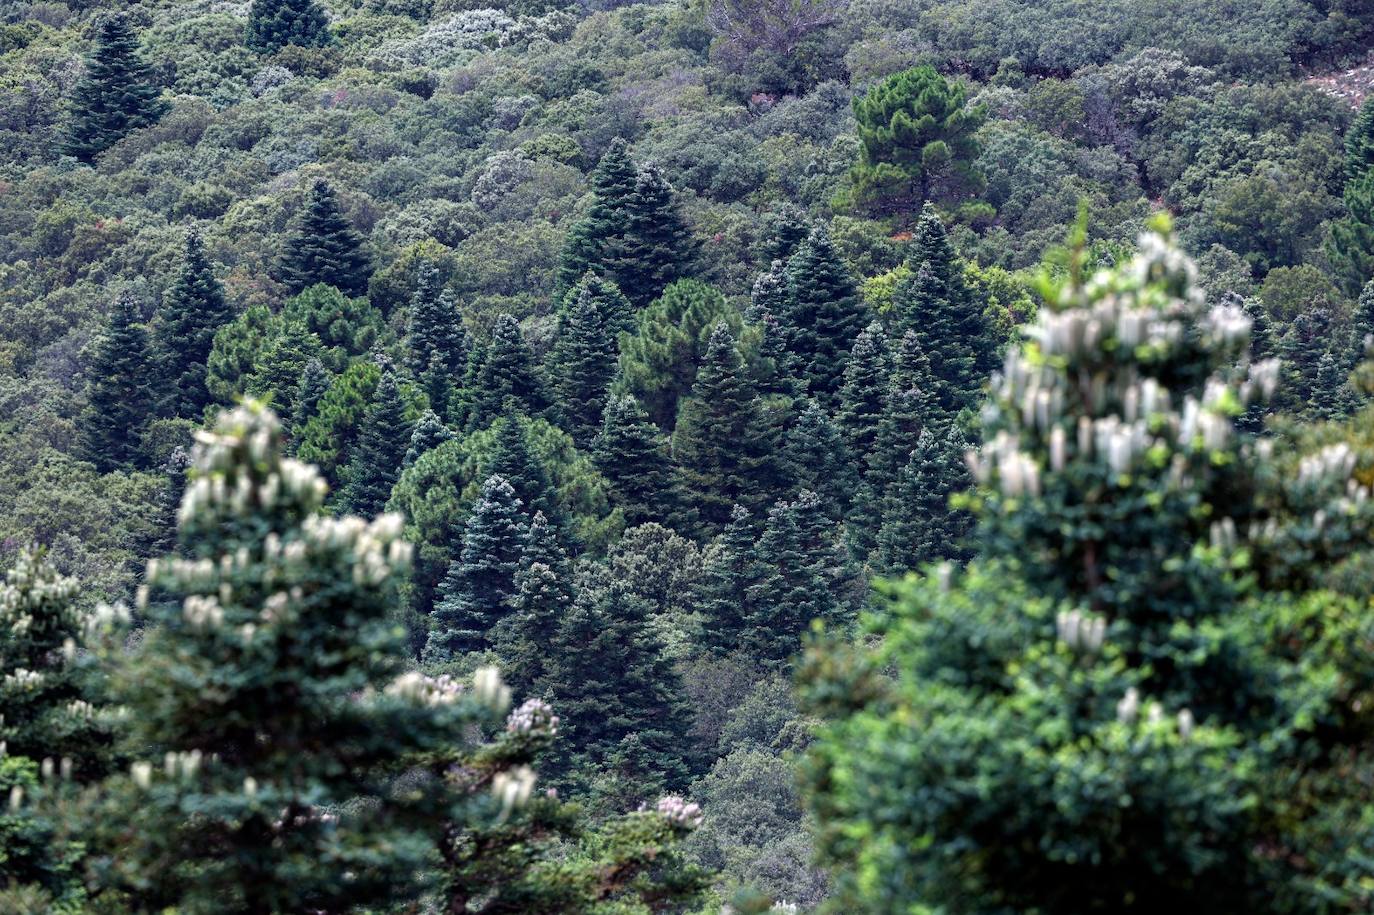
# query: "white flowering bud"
{"type": "Point", "coordinates": [489, 689]}
{"type": "Point", "coordinates": [16, 797]}
{"type": "Point", "coordinates": [679, 812]}
{"type": "Point", "coordinates": [1185, 724]}
{"type": "Point", "coordinates": [142, 774]}
{"type": "Point", "coordinates": [1156, 713]}
{"type": "Point", "coordinates": [250, 786]}
{"type": "Point", "coordinates": [513, 788]}
{"type": "Point", "coordinates": [535, 717]}
{"type": "Point", "coordinates": [169, 764]}
{"type": "Point", "coordinates": [47, 768]}
{"type": "Point", "coordinates": [65, 768]}
{"type": "Point", "coordinates": [1058, 447]}
{"type": "Point", "coordinates": [1129, 706]}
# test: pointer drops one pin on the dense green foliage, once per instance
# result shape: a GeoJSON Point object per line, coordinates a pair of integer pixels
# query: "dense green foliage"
{"type": "Point", "coordinates": [670, 331]}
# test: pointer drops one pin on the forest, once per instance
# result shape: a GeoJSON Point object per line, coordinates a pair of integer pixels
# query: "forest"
{"type": "Point", "coordinates": [585, 457]}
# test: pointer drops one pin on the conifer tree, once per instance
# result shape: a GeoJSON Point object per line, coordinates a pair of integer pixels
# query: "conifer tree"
{"type": "Point", "coordinates": [272, 690]}
{"type": "Point", "coordinates": [818, 459]}
{"type": "Point", "coordinates": [784, 230]}
{"type": "Point", "coordinates": [507, 373]}
{"type": "Point", "coordinates": [909, 408]}
{"type": "Point", "coordinates": [274, 24]}
{"type": "Point", "coordinates": [729, 575]}
{"type": "Point", "coordinates": [1330, 397]}
{"type": "Point", "coordinates": [769, 295]}
{"type": "Point", "coordinates": [632, 454]}
{"type": "Point", "coordinates": [801, 578]}
{"type": "Point", "coordinates": [582, 364]}
{"type": "Point", "coordinates": [935, 302]}
{"type": "Point", "coordinates": [310, 390]}
{"type": "Point", "coordinates": [619, 696]}
{"type": "Point", "coordinates": [115, 96]}
{"type": "Point", "coordinates": [918, 139]}
{"type": "Point", "coordinates": [478, 591]}
{"type": "Point", "coordinates": [437, 340]}
{"type": "Point", "coordinates": [867, 374]}
{"type": "Point", "coordinates": [512, 459]}
{"type": "Point", "coordinates": [658, 362]}
{"type": "Point", "coordinates": [1351, 247]}
{"type": "Point", "coordinates": [824, 313]}
{"type": "Point", "coordinates": [613, 181]}
{"type": "Point", "coordinates": [52, 731]}
{"type": "Point", "coordinates": [1359, 142]}
{"type": "Point", "coordinates": [615, 309]}
{"type": "Point", "coordinates": [429, 433]}
{"type": "Point", "coordinates": [328, 437]}
{"type": "Point", "coordinates": [117, 393]}
{"type": "Point", "coordinates": [656, 246]}
{"type": "Point", "coordinates": [918, 524]}
{"type": "Point", "coordinates": [184, 332]}
{"type": "Point", "coordinates": [543, 593]}
{"type": "Point", "coordinates": [376, 459]}
{"type": "Point", "coordinates": [721, 441]}
{"type": "Point", "coordinates": [324, 247]}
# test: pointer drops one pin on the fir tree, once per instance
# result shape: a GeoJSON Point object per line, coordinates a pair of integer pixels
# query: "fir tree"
{"type": "Point", "coordinates": [721, 441]}
{"type": "Point", "coordinates": [429, 433]}
{"type": "Point", "coordinates": [784, 230]}
{"type": "Point", "coordinates": [918, 524]}
{"type": "Point", "coordinates": [769, 295]}
{"type": "Point", "coordinates": [801, 578]}
{"type": "Point", "coordinates": [324, 248]}
{"type": "Point", "coordinates": [656, 246]}
{"type": "Point", "coordinates": [909, 408]}
{"type": "Point", "coordinates": [512, 459]}
{"type": "Point", "coordinates": [184, 333]}
{"type": "Point", "coordinates": [582, 363]}
{"type": "Point", "coordinates": [818, 459]}
{"type": "Point", "coordinates": [1359, 142]}
{"type": "Point", "coordinates": [632, 454]}
{"type": "Point", "coordinates": [274, 24]}
{"type": "Point", "coordinates": [866, 378]}
{"type": "Point", "coordinates": [377, 456]}
{"type": "Point", "coordinates": [1330, 397]}
{"type": "Point", "coordinates": [1351, 246]}
{"type": "Point", "coordinates": [824, 313]}
{"type": "Point", "coordinates": [115, 96]}
{"type": "Point", "coordinates": [117, 393]}
{"type": "Point", "coordinates": [507, 372]}
{"type": "Point", "coordinates": [478, 590]}
{"type": "Point", "coordinates": [729, 574]}
{"type": "Point", "coordinates": [268, 689]}
{"type": "Point", "coordinates": [310, 390]}
{"type": "Point", "coordinates": [543, 593]}
{"type": "Point", "coordinates": [437, 339]}
{"type": "Point", "coordinates": [935, 302]}
{"type": "Point", "coordinates": [619, 696]}
{"type": "Point", "coordinates": [613, 180]}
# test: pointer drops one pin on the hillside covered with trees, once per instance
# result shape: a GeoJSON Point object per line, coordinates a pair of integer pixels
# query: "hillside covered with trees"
{"type": "Point", "coordinates": [709, 456]}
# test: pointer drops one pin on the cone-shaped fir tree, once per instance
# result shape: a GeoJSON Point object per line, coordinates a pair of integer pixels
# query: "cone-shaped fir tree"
{"type": "Point", "coordinates": [513, 460]}
{"type": "Point", "coordinates": [323, 247]}
{"type": "Point", "coordinates": [375, 462]}
{"type": "Point", "coordinates": [867, 375]}
{"type": "Point", "coordinates": [478, 590]}
{"type": "Point", "coordinates": [1351, 246]}
{"type": "Point", "coordinates": [274, 24]}
{"type": "Point", "coordinates": [275, 693]}
{"type": "Point", "coordinates": [919, 526]}
{"type": "Point", "coordinates": [117, 393]}
{"type": "Point", "coordinates": [543, 593]}
{"type": "Point", "coordinates": [429, 433]}
{"type": "Point", "coordinates": [1359, 142]}
{"type": "Point", "coordinates": [310, 390]}
{"type": "Point", "coordinates": [507, 373]}
{"type": "Point", "coordinates": [784, 230]}
{"type": "Point", "coordinates": [729, 574]}
{"type": "Point", "coordinates": [617, 693]}
{"type": "Point", "coordinates": [114, 96]}
{"type": "Point", "coordinates": [824, 314]}
{"type": "Point", "coordinates": [722, 442]}
{"type": "Point", "coordinates": [184, 333]}
{"type": "Point", "coordinates": [615, 309]}
{"type": "Point", "coordinates": [612, 181]}
{"type": "Point", "coordinates": [656, 246]}
{"type": "Point", "coordinates": [581, 364]}
{"type": "Point", "coordinates": [437, 344]}
{"type": "Point", "coordinates": [818, 459]}
{"type": "Point", "coordinates": [632, 454]}
{"type": "Point", "coordinates": [1115, 708]}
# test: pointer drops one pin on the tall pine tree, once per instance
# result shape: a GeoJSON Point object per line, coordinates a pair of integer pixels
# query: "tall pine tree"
{"type": "Point", "coordinates": [581, 364]}
{"type": "Point", "coordinates": [918, 525]}
{"type": "Point", "coordinates": [507, 372]}
{"type": "Point", "coordinates": [324, 247]}
{"type": "Point", "coordinates": [824, 313]}
{"type": "Point", "coordinates": [817, 458]}
{"type": "Point", "coordinates": [114, 96]}
{"type": "Point", "coordinates": [632, 454]}
{"type": "Point", "coordinates": [377, 456]}
{"type": "Point", "coordinates": [729, 575]}
{"type": "Point", "coordinates": [429, 433]}
{"type": "Point", "coordinates": [613, 180]}
{"type": "Point", "coordinates": [543, 594]}
{"type": "Point", "coordinates": [867, 375]}
{"type": "Point", "coordinates": [478, 590]}
{"type": "Point", "coordinates": [436, 332]}
{"type": "Point", "coordinates": [117, 394]}
{"type": "Point", "coordinates": [184, 332]}
{"type": "Point", "coordinates": [656, 246]}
